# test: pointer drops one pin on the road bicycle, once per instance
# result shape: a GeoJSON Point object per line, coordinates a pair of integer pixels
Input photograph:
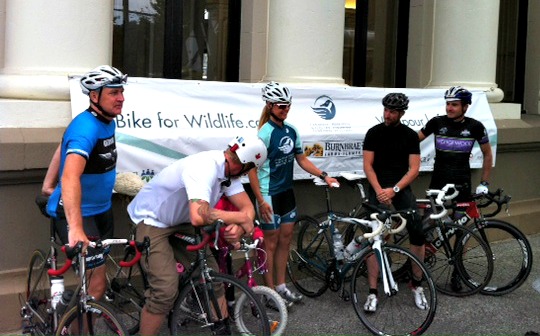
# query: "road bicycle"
{"type": "Point", "coordinates": [276, 308]}
{"type": "Point", "coordinates": [48, 309]}
{"type": "Point", "coordinates": [320, 261]}
{"type": "Point", "coordinates": [512, 252]}
{"type": "Point", "coordinates": [460, 261]}
{"type": "Point", "coordinates": [196, 299]}
{"type": "Point", "coordinates": [126, 285]}
{"type": "Point", "coordinates": [201, 307]}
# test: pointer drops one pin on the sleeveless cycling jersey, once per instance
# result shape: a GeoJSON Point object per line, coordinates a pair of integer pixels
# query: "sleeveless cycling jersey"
{"type": "Point", "coordinates": [92, 137]}
{"type": "Point", "coordinates": [283, 143]}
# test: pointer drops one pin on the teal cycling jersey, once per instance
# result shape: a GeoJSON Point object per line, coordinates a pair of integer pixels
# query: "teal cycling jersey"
{"type": "Point", "coordinates": [283, 144]}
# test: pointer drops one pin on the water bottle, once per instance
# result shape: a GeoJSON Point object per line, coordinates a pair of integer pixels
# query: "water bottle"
{"type": "Point", "coordinates": [64, 301]}
{"type": "Point", "coordinates": [338, 245]}
{"type": "Point", "coordinates": [57, 288]}
{"type": "Point", "coordinates": [354, 247]}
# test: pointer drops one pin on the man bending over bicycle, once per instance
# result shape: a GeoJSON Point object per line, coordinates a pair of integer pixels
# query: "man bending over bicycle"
{"type": "Point", "coordinates": [182, 196]}
{"type": "Point", "coordinates": [391, 163]}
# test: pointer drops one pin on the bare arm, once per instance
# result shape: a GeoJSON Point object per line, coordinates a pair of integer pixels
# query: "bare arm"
{"type": "Point", "coordinates": [51, 178]}
{"type": "Point", "coordinates": [265, 209]}
{"type": "Point", "coordinates": [487, 163]}
{"type": "Point", "coordinates": [421, 135]}
{"type": "Point", "coordinates": [71, 197]}
{"type": "Point", "coordinates": [202, 214]}
{"type": "Point", "coordinates": [309, 167]}
{"type": "Point", "coordinates": [369, 158]}
{"type": "Point", "coordinates": [412, 173]}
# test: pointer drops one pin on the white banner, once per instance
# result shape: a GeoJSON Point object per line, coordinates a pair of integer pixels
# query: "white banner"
{"type": "Point", "coordinates": [164, 120]}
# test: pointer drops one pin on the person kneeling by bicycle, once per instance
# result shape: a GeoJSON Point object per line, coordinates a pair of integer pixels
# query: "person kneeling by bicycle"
{"type": "Point", "coordinates": [182, 196]}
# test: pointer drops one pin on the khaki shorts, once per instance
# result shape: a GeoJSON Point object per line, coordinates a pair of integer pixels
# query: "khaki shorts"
{"type": "Point", "coordinates": [160, 266]}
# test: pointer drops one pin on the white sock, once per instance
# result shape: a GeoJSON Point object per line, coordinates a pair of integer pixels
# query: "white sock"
{"type": "Point", "coordinates": [281, 288]}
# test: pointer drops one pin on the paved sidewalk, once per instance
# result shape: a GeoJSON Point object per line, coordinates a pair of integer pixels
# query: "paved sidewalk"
{"type": "Point", "coordinates": [512, 314]}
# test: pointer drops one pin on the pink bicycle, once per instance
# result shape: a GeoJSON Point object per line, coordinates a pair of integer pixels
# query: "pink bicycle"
{"type": "Point", "coordinates": [276, 308]}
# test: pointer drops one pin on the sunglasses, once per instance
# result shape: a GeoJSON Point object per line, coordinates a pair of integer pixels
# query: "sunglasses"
{"type": "Point", "coordinates": [282, 106]}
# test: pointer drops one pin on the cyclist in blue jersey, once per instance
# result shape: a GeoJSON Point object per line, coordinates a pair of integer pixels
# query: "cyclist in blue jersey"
{"type": "Point", "coordinates": [272, 184]}
{"type": "Point", "coordinates": [85, 165]}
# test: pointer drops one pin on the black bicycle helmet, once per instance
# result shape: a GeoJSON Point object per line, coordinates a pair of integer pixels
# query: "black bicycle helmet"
{"type": "Point", "coordinates": [458, 93]}
{"type": "Point", "coordinates": [396, 101]}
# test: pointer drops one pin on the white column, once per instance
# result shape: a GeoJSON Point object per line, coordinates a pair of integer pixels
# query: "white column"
{"type": "Point", "coordinates": [47, 40]}
{"type": "Point", "coordinates": [465, 45]}
{"type": "Point", "coordinates": [305, 41]}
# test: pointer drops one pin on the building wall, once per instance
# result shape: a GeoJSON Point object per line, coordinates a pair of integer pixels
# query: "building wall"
{"type": "Point", "coordinates": [33, 119]}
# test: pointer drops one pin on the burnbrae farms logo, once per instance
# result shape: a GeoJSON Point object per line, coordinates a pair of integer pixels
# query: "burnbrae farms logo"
{"type": "Point", "coordinates": [324, 107]}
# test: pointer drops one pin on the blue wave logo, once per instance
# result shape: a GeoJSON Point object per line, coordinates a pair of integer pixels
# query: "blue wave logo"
{"type": "Point", "coordinates": [324, 107]}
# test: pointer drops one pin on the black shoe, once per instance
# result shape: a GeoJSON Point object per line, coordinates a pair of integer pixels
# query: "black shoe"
{"type": "Point", "coordinates": [222, 327]}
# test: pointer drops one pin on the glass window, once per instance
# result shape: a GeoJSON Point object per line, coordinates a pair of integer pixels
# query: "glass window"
{"type": "Point", "coordinates": [187, 39]}
{"type": "Point", "coordinates": [375, 36]}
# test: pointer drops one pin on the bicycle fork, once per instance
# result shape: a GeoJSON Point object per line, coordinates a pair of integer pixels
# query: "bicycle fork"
{"type": "Point", "coordinates": [389, 284]}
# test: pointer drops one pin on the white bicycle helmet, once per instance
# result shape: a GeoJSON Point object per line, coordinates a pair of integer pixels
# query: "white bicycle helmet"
{"type": "Point", "coordinates": [276, 93]}
{"type": "Point", "coordinates": [456, 93]}
{"type": "Point", "coordinates": [103, 75]}
{"type": "Point", "coordinates": [249, 149]}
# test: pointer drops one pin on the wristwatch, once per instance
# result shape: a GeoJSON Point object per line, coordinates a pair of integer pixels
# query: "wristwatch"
{"type": "Point", "coordinates": [323, 175]}
{"type": "Point", "coordinates": [396, 189]}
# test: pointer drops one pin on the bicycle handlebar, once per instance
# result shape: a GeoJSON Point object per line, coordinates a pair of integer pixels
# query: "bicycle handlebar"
{"type": "Point", "coordinates": [440, 196]}
{"type": "Point", "coordinates": [72, 252]}
{"type": "Point", "coordinates": [381, 218]}
{"type": "Point", "coordinates": [496, 197]}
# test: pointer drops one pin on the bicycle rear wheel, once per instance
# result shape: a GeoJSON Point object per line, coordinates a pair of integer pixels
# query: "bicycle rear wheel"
{"type": "Point", "coordinates": [396, 313]}
{"type": "Point", "coordinates": [192, 314]}
{"type": "Point", "coordinates": [309, 262]}
{"type": "Point", "coordinates": [276, 309]}
{"type": "Point", "coordinates": [512, 255]}
{"type": "Point", "coordinates": [37, 295]}
{"type": "Point", "coordinates": [125, 287]}
{"type": "Point", "coordinates": [460, 261]}
{"type": "Point", "coordinates": [98, 319]}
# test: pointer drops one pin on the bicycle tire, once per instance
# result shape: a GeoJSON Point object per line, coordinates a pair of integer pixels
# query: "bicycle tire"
{"type": "Point", "coordinates": [308, 263]}
{"type": "Point", "coordinates": [512, 253]}
{"type": "Point", "coordinates": [396, 314]}
{"type": "Point", "coordinates": [191, 317]}
{"type": "Point", "coordinates": [470, 259]}
{"type": "Point", "coordinates": [103, 321]}
{"type": "Point", "coordinates": [276, 309]}
{"type": "Point", "coordinates": [125, 288]}
{"type": "Point", "coordinates": [37, 294]}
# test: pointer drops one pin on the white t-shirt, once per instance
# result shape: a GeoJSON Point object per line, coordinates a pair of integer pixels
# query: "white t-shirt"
{"type": "Point", "coordinates": [164, 201]}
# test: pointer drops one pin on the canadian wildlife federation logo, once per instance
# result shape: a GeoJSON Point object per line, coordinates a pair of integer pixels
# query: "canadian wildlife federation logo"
{"type": "Point", "coordinates": [324, 106]}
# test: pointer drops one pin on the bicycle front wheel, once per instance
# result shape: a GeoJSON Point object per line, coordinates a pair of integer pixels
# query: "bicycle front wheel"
{"type": "Point", "coordinates": [396, 312]}
{"type": "Point", "coordinates": [512, 255]}
{"type": "Point", "coordinates": [125, 288]}
{"type": "Point", "coordinates": [309, 261]}
{"type": "Point", "coordinates": [98, 319]}
{"type": "Point", "coordinates": [198, 305]}
{"type": "Point", "coordinates": [459, 260]}
{"type": "Point", "coordinates": [276, 309]}
{"type": "Point", "coordinates": [37, 294]}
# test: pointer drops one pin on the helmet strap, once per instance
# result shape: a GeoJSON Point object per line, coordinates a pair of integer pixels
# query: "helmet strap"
{"type": "Point", "coordinates": [227, 182]}
{"type": "Point", "coordinates": [100, 109]}
{"type": "Point", "coordinates": [276, 117]}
